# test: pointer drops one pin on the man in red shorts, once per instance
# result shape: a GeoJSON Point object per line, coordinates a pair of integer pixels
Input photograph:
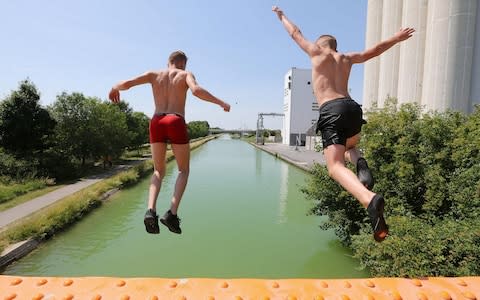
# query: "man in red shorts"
{"type": "Point", "coordinates": [341, 118]}
{"type": "Point", "coordinates": [169, 89]}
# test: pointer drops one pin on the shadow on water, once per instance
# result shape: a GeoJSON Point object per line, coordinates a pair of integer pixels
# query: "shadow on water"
{"type": "Point", "coordinates": [243, 215]}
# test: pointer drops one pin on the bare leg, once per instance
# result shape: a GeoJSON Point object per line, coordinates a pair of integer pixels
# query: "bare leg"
{"type": "Point", "coordinates": [352, 155]}
{"type": "Point", "coordinates": [182, 156]}
{"type": "Point", "coordinates": [335, 158]}
{"type": "Point", "coordinates": [158, 154]}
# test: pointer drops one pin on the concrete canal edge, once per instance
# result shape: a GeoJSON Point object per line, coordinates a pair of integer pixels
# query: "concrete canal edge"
{"type": "Point", "coordinates": [282, 157]}
{"type": "Point", "coordinates": [19, 250]}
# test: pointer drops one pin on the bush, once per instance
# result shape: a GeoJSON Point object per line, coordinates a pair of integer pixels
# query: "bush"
{"type": "Point", "coordinates": [15, 168]}
{"type": "Point", "coordinates": [426, 166]}
{"type": "Point", "coordinates": [418, 248]}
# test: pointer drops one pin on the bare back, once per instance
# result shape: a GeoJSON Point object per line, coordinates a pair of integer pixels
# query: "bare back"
{"type": "Point", "coordinates": [169, 89]}
{"type": "Point", "coordinates": [330, 73]}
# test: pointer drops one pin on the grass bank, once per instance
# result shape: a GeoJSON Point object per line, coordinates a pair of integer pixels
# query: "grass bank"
{"type": "Point", "coordinates": [54, 218]}
{"type": "Point", "coordinates": [10, 190]}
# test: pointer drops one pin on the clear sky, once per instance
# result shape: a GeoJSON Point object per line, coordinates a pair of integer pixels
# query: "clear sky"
{"type": "Point", "coordinates": [238, 50]}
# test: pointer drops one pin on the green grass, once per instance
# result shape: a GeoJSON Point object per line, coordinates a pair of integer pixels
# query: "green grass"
{"type": "Point", "coordinates": [28, 196]}
{"type": "Point", "coordinates": [11, 189]}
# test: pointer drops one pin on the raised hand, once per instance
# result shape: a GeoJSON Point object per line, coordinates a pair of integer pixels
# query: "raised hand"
{"type": "Point", "coordinates": [226, 106]}
{"type": "Point", "coordinates": [114, 95]}
{"type": "Point", "coordinates": [404, 33]}
{"type": "Point", "coordinates": [278, 11]}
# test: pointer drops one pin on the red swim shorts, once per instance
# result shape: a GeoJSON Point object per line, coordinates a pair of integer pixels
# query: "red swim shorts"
{"type": "Point", "coordinates": [168, 128]}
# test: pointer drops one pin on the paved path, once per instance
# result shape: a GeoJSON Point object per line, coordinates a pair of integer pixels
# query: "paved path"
{"type": "Point", "coordinates": [23, 210]}
{"type": "Point", "coordinates": [298, 156]}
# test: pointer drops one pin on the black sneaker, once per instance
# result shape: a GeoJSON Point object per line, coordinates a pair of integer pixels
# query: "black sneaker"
{"type": "Point", "coordinates": [172, 222]}
{"type": "Point", "coordinates": [375, 212]}
{"type": "Point", "coordinates": [364, 174]}
{"type": "Point", "coordinates": [151, 222]}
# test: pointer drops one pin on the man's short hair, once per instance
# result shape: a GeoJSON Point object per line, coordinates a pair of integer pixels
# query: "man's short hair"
{"type": "Point", "coordinates": [177, 56]}
{"type": "Point", "coordinates": [330, 40]}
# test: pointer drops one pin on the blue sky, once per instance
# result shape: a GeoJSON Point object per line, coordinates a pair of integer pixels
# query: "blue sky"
{"type": "Point", "coordinates": [239, 50]}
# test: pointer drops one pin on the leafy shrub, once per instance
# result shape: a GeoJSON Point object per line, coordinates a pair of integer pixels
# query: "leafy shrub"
{"type": "Point", "coordinates": [427, 167]}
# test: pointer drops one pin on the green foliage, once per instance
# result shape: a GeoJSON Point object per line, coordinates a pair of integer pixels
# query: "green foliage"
{"type": "Point", "coordinates": [109, 131]}
{"type": "Point", "coordinates": [15, 168]}
{"type": "Point", "coordinates": [24, 124]}
{"type": "Point", "coordinates": [10, 189]}
{"type": "Point", "coordinates": [198, 129]}
{"type": "Point", "coordinates": [89, 128]}
{"type": "Point", "coordinates": [426, 166]}
{"type": "Point", "coordinates": [138, 125]}
{"type": "Point", "coordinates": [345, 216]}
{"type": "Point", "coordinates": [418, 248]}
{"type": "Point", "coordinates": [73, 113]}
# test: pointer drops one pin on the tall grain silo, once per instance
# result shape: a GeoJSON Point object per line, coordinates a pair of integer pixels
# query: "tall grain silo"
{"type": "Point", "coordinates": [449, 54]}
{"type": "Point", "coordinates": [475, 81]}
{"type": "Point", "coordinates": [412, 52]}
{"type": "Point", "coordinates": [373, 36]}
{"type": "Point", "coordinates": [389, 60]}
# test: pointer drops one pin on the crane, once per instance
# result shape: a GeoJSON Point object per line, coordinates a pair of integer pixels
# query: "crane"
{"type": "Point", "coordinates": [260, 128]}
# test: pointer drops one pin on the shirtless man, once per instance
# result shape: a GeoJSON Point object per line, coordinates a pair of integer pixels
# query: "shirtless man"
{"type": "Point", "coordinates": [169, 89]}
{"type": "Point", "coordinates": [341, 118]}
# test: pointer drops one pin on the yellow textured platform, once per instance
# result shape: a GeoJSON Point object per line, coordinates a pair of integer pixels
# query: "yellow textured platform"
{"type": "Point", "coordinates": [38, 288]}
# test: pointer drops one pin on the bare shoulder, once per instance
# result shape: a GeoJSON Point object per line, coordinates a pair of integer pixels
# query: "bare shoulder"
{"type": "Point", "coordinates": [343, 57]}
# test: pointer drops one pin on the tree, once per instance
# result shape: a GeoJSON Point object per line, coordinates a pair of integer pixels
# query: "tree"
{"type": "Point", "coordinates": [88, 128]}
{"type": "Point", "coordinates": [73, 112]}
{"type": "Point", "coordinates": [24, 125]}
{"type": "Point", "coordinates": [138, 125]}
{"type": "Point", "coordinates": [109, 133]}
{"type": "Point", "coordinates": [198, 129]}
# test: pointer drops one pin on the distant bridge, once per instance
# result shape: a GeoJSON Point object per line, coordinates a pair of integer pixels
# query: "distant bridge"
{"type": "Point", "coordinates": [232, 131]}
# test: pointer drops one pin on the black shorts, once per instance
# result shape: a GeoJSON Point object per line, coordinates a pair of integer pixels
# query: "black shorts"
{"type": "Point", "coordinates": [339, 120]}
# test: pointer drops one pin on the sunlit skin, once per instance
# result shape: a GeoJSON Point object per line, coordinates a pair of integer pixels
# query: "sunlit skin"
{"type": "Point", "coordinates": [330, 74]}
{"type": "Point", "coordinates": [169, 88]}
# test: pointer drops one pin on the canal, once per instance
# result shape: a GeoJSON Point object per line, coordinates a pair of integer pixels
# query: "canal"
{"type": "Point", "coordinates": [243, 216]}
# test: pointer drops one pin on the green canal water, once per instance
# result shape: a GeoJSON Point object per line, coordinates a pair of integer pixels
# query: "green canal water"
{"type": "Point", "coordinates": [243, 216]}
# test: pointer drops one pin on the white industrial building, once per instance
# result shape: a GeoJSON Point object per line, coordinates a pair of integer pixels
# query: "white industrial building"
{"type": "Point", "coordinates": [438, 67]}
{"type": "Point", "coordinates": [299, 106]}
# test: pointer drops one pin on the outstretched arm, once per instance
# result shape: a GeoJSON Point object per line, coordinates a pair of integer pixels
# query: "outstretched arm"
{"type": "Point", "coordinates": [203, 94]}
{"type": "Point", "coordinates": [114, 94]}
{"type": "Point", "coordinates": [294, 31]}
{"type": "Point", "coordinates": [401, 35]}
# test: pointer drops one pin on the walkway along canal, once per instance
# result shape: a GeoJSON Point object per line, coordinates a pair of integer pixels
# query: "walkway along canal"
{"type": "Point", "coordinates": [243, 215]}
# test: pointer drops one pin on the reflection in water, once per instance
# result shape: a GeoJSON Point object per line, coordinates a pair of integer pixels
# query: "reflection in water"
{"type": "Point", "coordinates": [282, 216]}
{"type": "Point", "coordinates": [243, 215]}
{"type": "Point", "coordinates": [258, 162]}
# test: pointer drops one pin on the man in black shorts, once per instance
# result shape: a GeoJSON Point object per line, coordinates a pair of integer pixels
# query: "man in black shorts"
{"type": "Point", "coordinates": [341, 119]}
